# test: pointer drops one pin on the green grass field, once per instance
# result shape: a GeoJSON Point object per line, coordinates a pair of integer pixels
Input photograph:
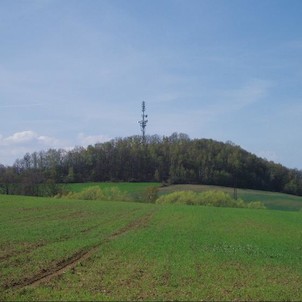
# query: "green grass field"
{"type": "Point", "coordinates": [272, 200]}
{"type": "Point", "coordinates": [56, 249]}
{"type": "Point", "coordinates": [135, 190]}
{"type": "Point", "coordinates": [134, 187]}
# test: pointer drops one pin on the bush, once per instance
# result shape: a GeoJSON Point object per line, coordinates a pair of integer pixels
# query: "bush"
{"type": "Point", "coordinates": [150, 194]}
{"type": "Point", "coordinates": [180, 197]}
{"type": "Point", "coordinates": [256, 205]}
{"type": "Point", "coordinates": [114, 193]}
{"type": "Point", "coordinates": [92, 193]}
{"type": "Point", "coordinates": [217, 199]}
{"type": "Point", "coordinates": [96, 193]}
{"type": "Point", "coordinates": [208, 198]}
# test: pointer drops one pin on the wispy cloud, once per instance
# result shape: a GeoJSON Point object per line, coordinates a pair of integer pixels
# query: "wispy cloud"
{"type": "Point", "coordinates": [250, 93]}
{"type": "Point", "coordinates": [26, 137]}
{"type": "Point", "coordinates": [18, 138]}
{"type": "Point", "coordinates": [232, 100]}
{"type": "Point", "coordinates": [16, 145]}
{"type": "Point", "coordinates": [86, 140]}
{"type": "Point", "coordinates": [213, 106]}
{"type": "Point", "coordinates": [68, 70]}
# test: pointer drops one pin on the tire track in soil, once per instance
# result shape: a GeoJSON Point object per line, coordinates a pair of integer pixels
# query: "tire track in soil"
{"type": "Point", "coordinates": [63, 266]}
{"type": "Point", "coordinates": [29, 249]}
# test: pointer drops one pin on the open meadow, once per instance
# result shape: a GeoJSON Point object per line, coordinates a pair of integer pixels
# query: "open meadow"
{"type": "Point", "coordinates": [272, 200]}
{"type": "Point", "coordinates": [56, 249]}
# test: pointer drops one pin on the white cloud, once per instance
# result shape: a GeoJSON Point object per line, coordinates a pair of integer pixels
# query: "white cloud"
{"type": "Point", "coordinates": [18, 138]}
{"type": "Point", "coordinates": [86, 140]}
{"type": "Point", "coordinates": [19, 143]}
{"type": "Point", "coordinates": [16, 145]}
{"type": "Point", "coordinates": [28, 137]}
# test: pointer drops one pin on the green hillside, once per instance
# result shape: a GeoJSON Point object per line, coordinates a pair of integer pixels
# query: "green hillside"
{"type": "Point", "coordinates": [132, 188]}
{"type": "Point", "coordinates": [56, 249]}
{"type": "Point", "coordinates": [174, 159]}
{"type": "Point", "coordinates": [272, 200]}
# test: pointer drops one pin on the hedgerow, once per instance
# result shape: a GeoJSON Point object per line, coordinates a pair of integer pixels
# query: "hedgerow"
{"type": "Point", "coordinates": [208, 198]}
{"type": "Point", "coordinates": [96, 193]}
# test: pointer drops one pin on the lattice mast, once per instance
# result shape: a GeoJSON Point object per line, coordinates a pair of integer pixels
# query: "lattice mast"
{"type": "Point", "coordinates": [143, 122]}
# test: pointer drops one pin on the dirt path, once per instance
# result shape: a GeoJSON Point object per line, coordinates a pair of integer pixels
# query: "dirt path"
{"type": "Point", "coordinates": [74, 260]}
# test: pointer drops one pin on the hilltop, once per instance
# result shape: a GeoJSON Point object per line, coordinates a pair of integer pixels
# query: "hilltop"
{"type": "Point", "coordinates": [174, 159]}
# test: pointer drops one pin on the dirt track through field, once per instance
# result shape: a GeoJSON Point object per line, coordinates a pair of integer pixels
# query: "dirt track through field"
{"type": "Point", "coordinates": [61, 267]}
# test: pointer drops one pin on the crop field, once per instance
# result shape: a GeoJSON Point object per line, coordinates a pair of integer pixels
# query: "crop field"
{"type": "Point", "coordinates": [56, 249]}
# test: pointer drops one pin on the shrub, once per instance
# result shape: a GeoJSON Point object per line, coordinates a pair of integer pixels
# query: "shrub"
{"type": "Point", "coordinates": [256, 205]}
{"type": "Point", "coordinates": [208, 198]}
{"type": "Point", "coordinates": [114, 193]}
{"type": "Point", "coordinates": [92, 193]}
{"type": "Point", "coordinates": [180, 197]}
{"type": "Point", "coordinates": [240, 203]}
{"type": "Point", "coordinates": [96, 193]}
{"type": "Point", "coordinates": [217, 199]}
{"type": "Point", "coordinates": [150, 194]}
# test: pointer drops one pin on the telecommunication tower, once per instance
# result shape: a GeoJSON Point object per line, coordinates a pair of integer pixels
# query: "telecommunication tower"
{"type": "Point", "coordinates": [143, 122]}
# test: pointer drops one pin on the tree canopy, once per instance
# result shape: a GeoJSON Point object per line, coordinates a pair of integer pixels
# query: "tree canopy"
{"type": "Point", "coordinates": [171, 159]}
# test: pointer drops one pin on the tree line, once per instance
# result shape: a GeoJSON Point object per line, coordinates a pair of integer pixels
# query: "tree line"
{"type": "Point", "coordinates": [170, 159]}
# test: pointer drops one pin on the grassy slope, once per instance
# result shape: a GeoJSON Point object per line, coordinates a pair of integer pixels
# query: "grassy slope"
{"type": "Point", "coordinates": [125, 186]}
{"type": "Point", "coordinates": [272, 200]}
{"type": "Point", "coordinates": [136, 190]}
{"type": "Point", "coordinates": [180, 252]}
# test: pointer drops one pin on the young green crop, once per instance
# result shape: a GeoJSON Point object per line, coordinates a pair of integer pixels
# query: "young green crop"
{"type": "Point", "coordinates": [137, 251]}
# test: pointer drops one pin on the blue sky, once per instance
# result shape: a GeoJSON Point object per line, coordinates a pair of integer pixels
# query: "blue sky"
{"type": "Point", "coordinates": [74, 73]}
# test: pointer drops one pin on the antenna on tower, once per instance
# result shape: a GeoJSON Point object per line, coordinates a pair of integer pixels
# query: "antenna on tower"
{"type": "Point", "coordinates": [143, 122]}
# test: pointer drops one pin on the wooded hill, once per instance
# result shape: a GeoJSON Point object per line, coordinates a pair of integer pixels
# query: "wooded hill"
{"type": "Point", "coordinates": [170, 159]}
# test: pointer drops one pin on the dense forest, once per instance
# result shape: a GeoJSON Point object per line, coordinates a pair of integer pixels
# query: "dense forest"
{"type": "Point", "coordinates": [169, 159]}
